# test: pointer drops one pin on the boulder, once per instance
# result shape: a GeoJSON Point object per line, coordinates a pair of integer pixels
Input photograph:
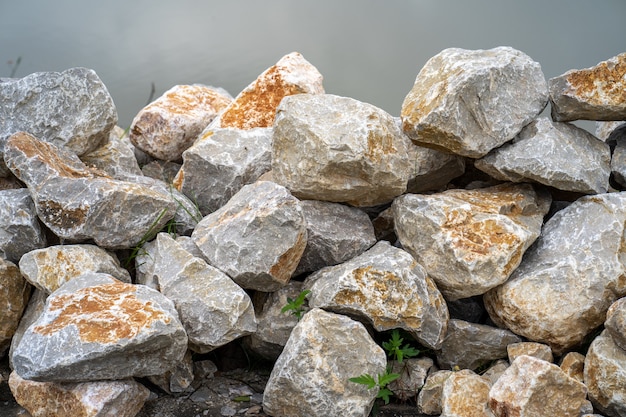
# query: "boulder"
{"type": "Point", "coordinates": [20, 231]}
{"type": "Point", "coordinates": [177, 379]}
{"type": "Point", "coordinates": [14, 295]}
{"type": "Point", "coordinates": [573, 364]}
{"type": "Point", "coordinates": [465, 393]}
{"type": "Point", "coordinates": [34, 308]}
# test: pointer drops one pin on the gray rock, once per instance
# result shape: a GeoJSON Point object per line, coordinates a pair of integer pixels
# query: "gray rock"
{"type": "Point", "coordinates": [569, 278]}
{"type": "Point", "coordinates": [177, 379]}
{"type": "Point", "coordinates": [429, 397]}
{"type": "Point", "coordinates": [20, 231]}
{"type": "Point", "coordinates": [495, 370]}
{"type": "Point", "coordinates": [35, 307]}
{"type": "Point", "coordinates": [386, 287]}
{"type": "Point", "coordinates": [559, 155]}
{"type": "Point", "coordinates": [470, 345]}
{"type": "Point", "coordinates": [610, 131]}
{"type": "Point", "coordinates": [221, 162]}
{"type": "Point", "coordinates": [595, 93]}
{"type": "Point", "coordinates": [470, 241]}
{"type": "Point", "coordinates": [115, 156]}
{"type": "Point", "coordinates": [615, 322]}
{"type": "Point", "coordinates": [257, 238]}
{"type": "Point", "coordinates": [465, 393]}
{"type": "Point", "coordinates": [95, 327]}
{"type": "Point", "coordinates": [78, 203]}
{"type": "Point", "coordinates": [165, 171]}
{"type": "Point", "coordinates": [14, 295]}
{"type": "Point", "coordinates": [413, 372]}
{"type": "Point", "coordinates": [338, 149]}
{"type": "Point", "coordinates": [469, 102]}
{"type": "Point", "coordinates": [433, 169]}
{"type": "Point", "coordinates": [335, 233]}
{"type": "Point", "coordinates": [51, 267]}
{"type": "Point", "coordinates": [605, 373]}
{"type": "Point", "coordinates": [323, 352]}
{"type": "Point", "coordinates": [213, 309]}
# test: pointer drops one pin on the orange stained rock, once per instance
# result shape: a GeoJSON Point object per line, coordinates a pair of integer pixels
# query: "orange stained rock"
{"type": "Point", "coordinates": [102, 314]}
{"type": "Point", "coordinates": [606, 81]}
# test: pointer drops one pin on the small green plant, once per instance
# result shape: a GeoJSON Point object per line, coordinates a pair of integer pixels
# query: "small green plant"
{"type": "Point", "coordinates": [395, 349]}
{"type": "Point", "coordinates": [138, 249]}
{"type": "Point", "coordinates": [295, 306]}
{"type": "Point", "coordinates": [383, 379]}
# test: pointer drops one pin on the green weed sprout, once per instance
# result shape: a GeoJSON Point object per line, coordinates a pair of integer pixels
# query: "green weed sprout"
{"type": "Point", "coordinates": [383, 379]}
{"type": "Point", "coordinates": [395, 349]}
{"type": "Point", "coordinates": [295, 306]}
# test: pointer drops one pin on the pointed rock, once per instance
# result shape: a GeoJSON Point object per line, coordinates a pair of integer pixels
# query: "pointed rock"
{"type": "Point", "coordinates": [76, 202]}
{"type": "Point", "coordinates": [596, 93]}
{"type": "Point", "coordinates": [571, 159]}
{"type": "Point", "coordinates": [96, 327]}
{"type": "Point", "coordinates": [470, 241]}
{"type": "Point", "coordinates": [122, 398]}
{"type": "Point", "coordinates": [469, 102]}
{"type": "Point", "coordinates": [569, 278]}
{"type": "Point", "coordinates": [615, 322]}
{"type": "Point", "coordinates": [323, 352]}
{"type": "Point", "coordinates": [20, 231]}
{"type": "Point", "coordinates": [171, 123]}
{"type": "Point", "coordinates": [338, 149]}
{"type": "Point", "coordinates": [386, 287]}
{"type": "Point", "coordinates": [465, 393]}
{"type": "Point", "coordinates": [256, 105]}
{"type": "Point", "coordinates": [14, 295]}
{"type": "Point", "coordinates": [257, 238]}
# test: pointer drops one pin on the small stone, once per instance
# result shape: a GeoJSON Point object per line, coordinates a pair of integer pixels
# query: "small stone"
{"type": "Point", "coordinates": [177, 379]}
{"type": "Point", "coordinates": [538, 350]}
{"type": "Point", "coordinates": [495, 370]}
{"type": "Point", "coordinates": [532, 387]}
{"type": "Point", "coordinates": [20, 231]}
{"type": "Point", "coordinates": [464, 393]}
{"type": "Point", "coordinates": [596, 93]}
{"type": "Point", "coordinates": [123, 398]}
{"type": "Point", "coordinates": [615, 322]}
{"type": "Point", "coordinates": [323, 352]}
{"type": "Point", "coordinates": [429, 397]}
{"type": "Point", "coordinates": [413, 372]}
{"type": "Point", "coordinates": [338, 149]}
{"type": "Point", "coordinates": [573, 364]}
{"type": "Point", "coordinates": [469, 102]}
{"type": "Point", "coordinates": [14, 295]}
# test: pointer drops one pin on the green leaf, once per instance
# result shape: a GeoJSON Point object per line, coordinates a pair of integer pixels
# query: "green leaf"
{"type": "Point", "coordinates": [365, 379]}
{"type": "Point", "coordinates": [384, 393]}
{"type": "Point", "coordinates": [242, 398]}
{"type": "Point", "coordinates": [385, 378]}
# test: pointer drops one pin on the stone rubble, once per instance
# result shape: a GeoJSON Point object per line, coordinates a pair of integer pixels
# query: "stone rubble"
{"type": "Point", "coordinates": [148, 274]}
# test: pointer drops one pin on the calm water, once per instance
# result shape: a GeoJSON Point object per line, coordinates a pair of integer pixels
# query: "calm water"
{"type": "Point", "coordinates": [368, 50]}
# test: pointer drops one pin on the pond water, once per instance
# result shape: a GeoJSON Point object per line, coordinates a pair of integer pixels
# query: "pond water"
{"type": "Point", "coordinates": [366, 49]}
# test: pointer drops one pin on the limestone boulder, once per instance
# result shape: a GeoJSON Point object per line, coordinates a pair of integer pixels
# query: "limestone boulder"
{"type": "Point", "coordinates": [177, 379]}
{"type": "Point", "coordinates": [465, 393]}
{"type": "Point", "coordinates": [14, 294]}
{"type": "Point", "coordinates": [338, 149]}
{"type": "Point", "coordinates": [386, 287]}
{"type": "Point", "coordinates": [20, 231]}
{"type": "Point", "coordinates": [468, 102]}
{"type": "Point", "coordinates": [470, 241]}
{"type": "Point", "coordinates": [615, 322]}
{"type": "Point", "coordinates": [433, 169]}
{"type": "Point", "coordinates": [573, 364]}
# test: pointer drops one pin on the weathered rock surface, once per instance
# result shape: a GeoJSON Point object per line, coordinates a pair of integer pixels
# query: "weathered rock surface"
{"type": "Point", "coordinates": [615, 322]}
{"type": "Point", "coordinates": [495, 370]}
{"type": "Point", "coordinates": [51, 267]}
{"type": "Point", "coordinates": [605, 375]}
{"type": "Point", "coordinates": [96, 327]}
{"type": "Point", "coordinates": [596, 93]}
{"type": "Point", "coordinates": [115, 156]}
{"type": "Point", "coordinates": [257, 238]}
{"type": "Point", "coordinates": [469, 102]}
{"type": "Point", "coordinates": [338, 149]}
{"type": "Point", "coordinates": [429, 397]}
{"type": "Point", "coordinates": [537, 350]}
{"type": "Point", "coordinates": [14, 295]}
{"type": "Point", "coordinates": [256, 105]}
{"type": "Point", "coordinates": [123, 398]}
{"type": "Point", "coordinates": [177, 379]}
{"type": "Point", "coordinates": [413, 373]}
{"type": "Point", "coordinates": [20, 231]}
{"type": "Point", "coordinates": [386, 287]}
{"type": "Point", "coordinates": [212, 308]}
{"type": "Point", "coordinates": [573, 364]}
{"type": "Point", "coordinates": [34, 308]}
{"type": "Point", "coordinates": [532, 387]}
{"type": "Point", "coordinates": [469, 345]}
{"type": "Point", "coordinates": [322, 353]}
{"type": "Point", "coordinates": [464, 393]}
{"type": "Point", "coordinates": [432, 169]}
{"type": "Point", "coordinates": [77, 203]}
{"type": "Point", "coordinates": [171, 123]}
{"type": "Point", "coordinates": [569, 278]}
{"type": "Point", "coordinates": [560, 155]}
{"type": "Point", "coordinates": [221, 162]}
{"type": "Point", "coordinates": [335, 233]}
{"type": "Point", "coordinates": [470, 241]}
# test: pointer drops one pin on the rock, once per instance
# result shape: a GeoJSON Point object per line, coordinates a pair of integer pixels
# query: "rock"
{"type": "Point", "coordinates": [532, 387]}
{"type": "Point", "coordinates": [335, 233]}
{"type": "Point", "coordinates": [470, 345]}
{"type": "Point", "coordinates": [429, 397]}
{"type": "Point", "coordinates": [14, 295]}
{"type": "Point", "coordinates": [323, 352]}
{"type": "Point", "coordinates": [595, 93]}
{"type": "Point", "coordinates": [171, 123]}
{"type": "Point", "coordinates": [385, 287]}
{"type": "Point", "coordinates": [605, 373]}
{"type": "Point", "coordinates": [495, 370]}
{"type": "Point", "coordinates": [572, 159]}
{"type": "Point", "coordinates": [338, 149]}
{"type": "Point", "coordinates": [469, 102]}
{"type": "Point", "coordinates": [221, 162]}
{"type": "Point", "coordinates": [177, 379]}
{"type": "Point", "coordinates": [432, 169]}
{"type": "Point", "coordinates": [573, 364]}
{"type": "Point", "coordinates": [610, 131]}
{"type": "Point", "coordinates": [34, 308]}
{"type": "Point", "coordinates": [212, 308]}
{"type": "Point", "coordinates": [72, 108]}
{"type": "Point", "coordinates": [618, 158]}
{"type": "Point", "coordinates": [615, 322]}
{"type": "Point", "coordinates": [274, 326]}
{"type": "Point", "coordinates": [76, 202]}
{"type": "Point", "coordinates": [115, 156]}
{"type": "Point", "coordinates": [470, 241]}
{"type": "Point", "coordinates": [165, 171]}
{"type": "Point", "coordinates": [256, 105]}
{"type": "Point", "coordinates": [20, 231]}
{"type": "Point", "coordinates": [96, 327]}
{"type": "Point", "coordinates": [123, 398]}
{"type": "Point", "coordinates": [569, 278]}
{"type": "Point", "coordinates": [51, 267]}
{"type": "Point", "coordinates": [465, 393]}
{"type": "Point", "coordinates": [257, 238]}
{"type": "Point", "coordinates": [537, 350]}
{"type": "Point", "coordinates": [413, 372]}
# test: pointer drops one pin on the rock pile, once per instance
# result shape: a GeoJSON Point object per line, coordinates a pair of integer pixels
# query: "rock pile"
{"type": "Point", "coordinates": [479, 243]}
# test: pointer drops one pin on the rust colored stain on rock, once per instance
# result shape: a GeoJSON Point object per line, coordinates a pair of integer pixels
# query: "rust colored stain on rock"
{"type": "Point", "coordinates": [289, 260]}
{"type": "Point", "coordinates": [102, 314]}
{"type": "Point", "coordinates": [606, 80]}
{"type": "Point", "coordinates": [54, 214]}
